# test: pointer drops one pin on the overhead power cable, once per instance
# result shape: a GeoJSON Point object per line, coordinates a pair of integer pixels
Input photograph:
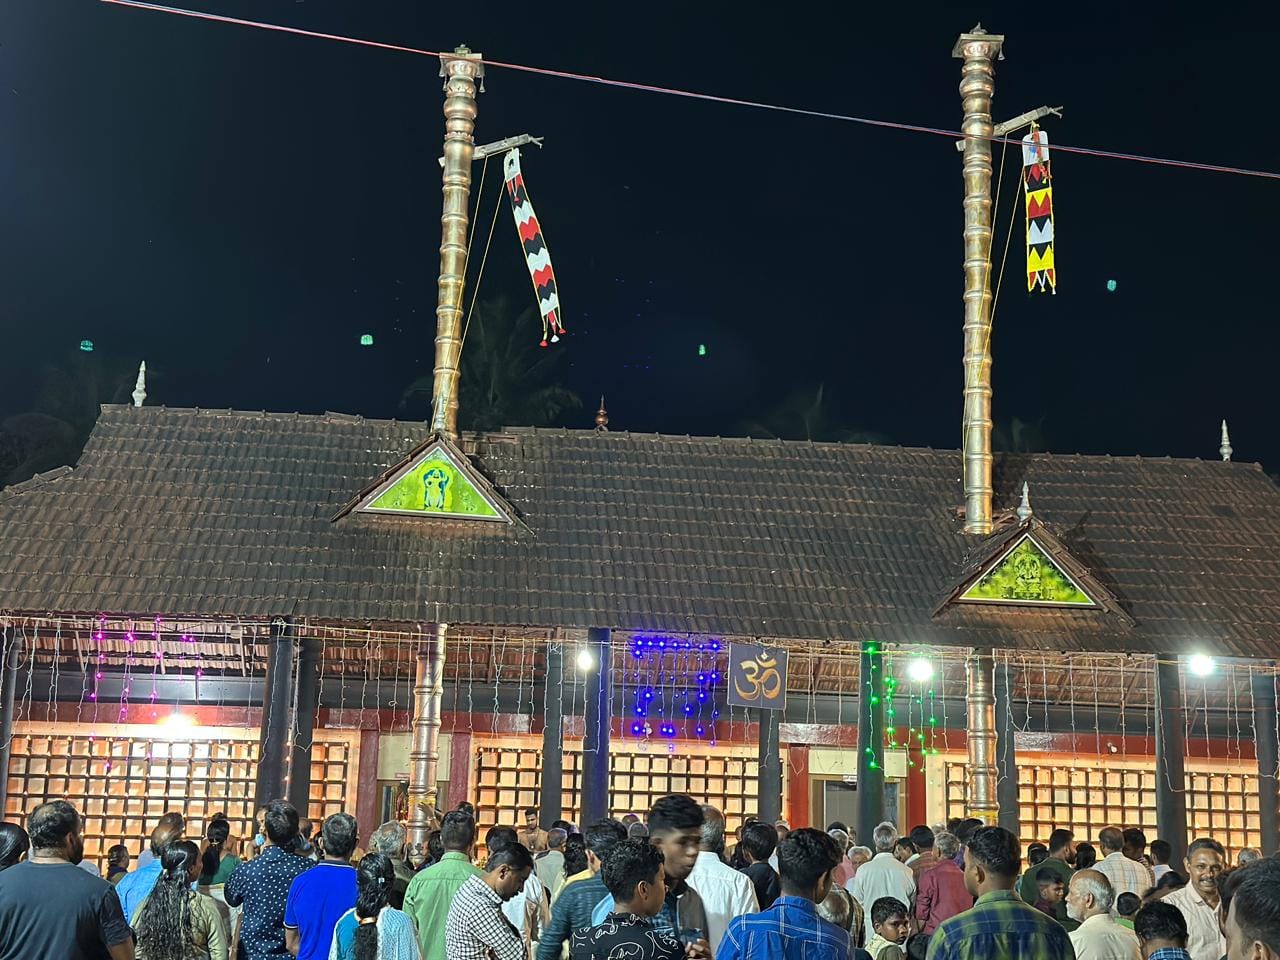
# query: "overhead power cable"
{"type": "Point", "coordinates": [692, 95]}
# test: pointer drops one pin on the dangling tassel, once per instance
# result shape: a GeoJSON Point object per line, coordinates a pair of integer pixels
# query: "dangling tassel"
{"type": "Point", "coordinates": [536, 255]}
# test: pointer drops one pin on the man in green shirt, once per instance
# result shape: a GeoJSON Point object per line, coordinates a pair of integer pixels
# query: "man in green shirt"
{"type": "Point", "coordinates": [431, 891]}
{"type": "Point", "coordinates": [1062, 848]}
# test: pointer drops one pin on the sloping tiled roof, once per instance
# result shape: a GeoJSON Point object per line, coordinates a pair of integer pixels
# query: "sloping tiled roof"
{"type": "Point", "coordinates": [222, 513]}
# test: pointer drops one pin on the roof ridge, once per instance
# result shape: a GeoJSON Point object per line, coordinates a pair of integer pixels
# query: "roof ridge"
{"type": "Point", "coordinates": [40, 479]}
{"type": "Point", "coordinates": [505, 433]}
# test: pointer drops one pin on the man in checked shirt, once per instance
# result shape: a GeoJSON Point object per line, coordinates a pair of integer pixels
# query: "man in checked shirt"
{"type": "Point", "coordinates": [477, 929]}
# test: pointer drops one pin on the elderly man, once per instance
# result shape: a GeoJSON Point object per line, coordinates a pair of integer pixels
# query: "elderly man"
{"type": "Point", "coordinates": [549, 865]}
{"type": "Point", "coordinates": [389, 840]}
{"type": "Point", "coordinates": [725, 892]}
{"type": "Point", "coordinates": [884, 876]}
{"type": "Point", "coordinates": [1200, 901]}
{"type": "Point", "coordinates": [1099, 937]}
{"type": "Point", "coordinates": [942, 893]}
{"type": "Point", "coordinates": [1124, 875]}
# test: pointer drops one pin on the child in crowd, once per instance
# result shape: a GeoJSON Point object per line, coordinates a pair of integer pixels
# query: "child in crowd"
{"type": "Point", "coordinates": [891, 925]}
{"type": "Point", "coordinates": [1127, 905]}
{"type": "Point", "coordinates": [1050, 891]}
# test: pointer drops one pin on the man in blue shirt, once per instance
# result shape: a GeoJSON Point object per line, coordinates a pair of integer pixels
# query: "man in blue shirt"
{"type": "Point", "coordinates": [1162, 932]}
{"type": "Point", "coordinates": [262, 885]}
{"type": "Point", "coordinates": [137, 885]}
{"type": "Point", "coordinates": [572, 909]}
{"type": "Point", "coordinates": [319, 897]}
{"type": "Point", "coordinates": [791, 929]}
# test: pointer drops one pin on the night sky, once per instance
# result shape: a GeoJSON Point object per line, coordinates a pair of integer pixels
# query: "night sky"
{"type": "Point", "coordinates": [237, 207]}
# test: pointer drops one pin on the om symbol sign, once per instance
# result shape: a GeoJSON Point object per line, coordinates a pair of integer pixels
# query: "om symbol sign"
{"type": "Point", "coordinates": [763, 681]}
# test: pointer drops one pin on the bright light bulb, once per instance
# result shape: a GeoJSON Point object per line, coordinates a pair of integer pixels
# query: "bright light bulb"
{"type": "Point", "coordinates": [1201, 665]}
{"type": "Point", "coordinates": [586, 660]}
{"type": "Point", "coordinates": [920, 670]}
{"type": "Point", "coordinates": [176, 722]}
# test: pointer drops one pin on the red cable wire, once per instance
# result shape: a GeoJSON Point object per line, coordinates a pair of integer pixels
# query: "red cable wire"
{"type": "Point", "coordinates": [689, 94]}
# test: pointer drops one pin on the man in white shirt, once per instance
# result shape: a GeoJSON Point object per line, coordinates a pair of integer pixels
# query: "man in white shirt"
{"type": "Point", "coordinates": [1099, 937]}
{"type": "Point", "coordinates": [883, 876]}
{"type": "Point", "coordinates": [549, 866]}
{"type": "Point", "coordinates": [725, 892]}
{"type": "Point", "coordinates": [1124, 875]}
{"type": "Point", "coordinates": [529, 909]}
{"type": "Point", "coordinates": [1200, 901]}
{"type": "Point", "coordinates": [1161, 851]}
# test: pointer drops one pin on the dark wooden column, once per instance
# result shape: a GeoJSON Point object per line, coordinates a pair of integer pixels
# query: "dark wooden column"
{"type": "Point", "coordinates": [8, 703]}
{"type": "Point", "coordinates": [1171, 751]}
{"type": "Point", "coordinates": [276, 702]}
{"type": "Point", "coordinates": [1264, 722]}
{"type": "Point", "coordinates": [870, 743]}
{"type": "Point", "coordinates": [304, 715]}
{"type": "Point", "coordinates": [1006, 762]}
{"type": "Point", "coordinates": [598, 719]}
{"type": "Point", "coordinates": [769, 802]}
{"type": "Point", "coordinates": [551, 798]}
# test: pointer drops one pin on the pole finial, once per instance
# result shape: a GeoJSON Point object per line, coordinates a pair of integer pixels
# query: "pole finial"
{"type": "Point", "coordinates": [1225, 449]}
{"type": "Point", "coordinates": [140, 387]}
{"type": "Point", "coordinates": [1024, 508]}
{"type": "Point", "coordinates": [602, 417]}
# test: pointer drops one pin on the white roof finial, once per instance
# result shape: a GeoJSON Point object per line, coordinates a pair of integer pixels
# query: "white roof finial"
{"type": "Point", "coordinates": [1024, 508]}
{"type": "Point", "coordinates": [1225, 449]}
{"type": "Point", "coordinates": [140, 388]}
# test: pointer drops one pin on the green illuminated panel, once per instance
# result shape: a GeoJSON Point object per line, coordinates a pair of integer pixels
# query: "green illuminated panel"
{"type": "Point", "coordinates": [435, 486]}
{"type": "Point", "coordinates": [1027, 575]}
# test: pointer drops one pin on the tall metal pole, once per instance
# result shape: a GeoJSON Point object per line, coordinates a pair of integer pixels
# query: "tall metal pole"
{"type": "Point", "coordinates": [1006, 760]}
{"type": "Point", "coordinates": [1171, 751]}
{"type": "Point", "coordinates": [460, 69]}
{"type": "Point", "coordinates": [277, 697]}
{"type": "Point", "coordinates": [424, 749]}
{"type": "Point", "coordinates": [551, 797]}
{"type": "Point", "coordinates": [598, 719]}
{"type": "Point", "coordinates": [870, 799]}
{"type": "Point", "coordinates": [982, 800]}
{"type": "Point", "coordinates": [979, 51]}
{"type": "Point", "coordinates": [8, 695]}
{"type": "Point", "coordinates": [1263, 682]}
{"type": "Point", "coordinates": [304, 715]}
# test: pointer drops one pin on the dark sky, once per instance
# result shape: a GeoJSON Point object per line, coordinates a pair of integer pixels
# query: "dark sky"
{"type": "Point", "coordinates": [238, 206]}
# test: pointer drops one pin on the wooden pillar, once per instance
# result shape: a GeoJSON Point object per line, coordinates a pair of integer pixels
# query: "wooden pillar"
{"type": "Point", "coordinates": [598, 719]}
{"type": "Point", "coordinates": [769, 801]}
{"type": "Point", "coordinates": [8, 703]}
{"type": "Point", "coordinates": [1171, 749]}
{"type": "Point", "coordinates": [276, 701]}
{"type": "Point", "coordinates": [551, 798]}
{"type": "Point", "coordinates": [1264, 721]}
{"type": "Point", "coordinates": [461, 762]}
{"type": "Point", "coordinates": [870, 784]}
{"type": "Point", "coordinates": [298, 785]}
{"type": "Point", "coordinates": [1006, 762]}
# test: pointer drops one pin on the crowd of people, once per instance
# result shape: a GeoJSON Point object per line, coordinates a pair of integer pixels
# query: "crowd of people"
{"type": "Point", "coordinates": [659, 887]}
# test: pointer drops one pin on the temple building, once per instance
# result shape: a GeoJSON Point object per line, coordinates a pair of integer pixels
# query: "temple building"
{"type": "Point", "coordinates": [216, 607]}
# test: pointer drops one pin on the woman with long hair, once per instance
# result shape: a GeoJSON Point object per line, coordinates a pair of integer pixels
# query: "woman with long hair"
{"type": "Point", "coordinates": [373, 930]}
{"type": "Point", "coordinates": [13, 844]}
{"type": "Point", "coordinates": [175, 922]}
{"type": "Point", "coordinates": [216, 865]}
{"type": "Point", "coordinates": [117, 862]}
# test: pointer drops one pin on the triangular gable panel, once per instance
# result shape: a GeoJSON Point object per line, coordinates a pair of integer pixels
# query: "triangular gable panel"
{"type": "Point", "coordinates": [434, 484]}
{"type": "Point", "coordinates": [1026, 574]}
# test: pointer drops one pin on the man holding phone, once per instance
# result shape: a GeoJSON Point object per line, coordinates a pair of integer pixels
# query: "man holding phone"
{"type": "Point", "coordinates": [635, 877]}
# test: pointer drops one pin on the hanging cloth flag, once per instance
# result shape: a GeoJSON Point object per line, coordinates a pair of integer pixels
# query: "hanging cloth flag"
{"type": "Point", "coordinates": [535, 249]}
{"type": "Point", "coordinates": [1037, 184]}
